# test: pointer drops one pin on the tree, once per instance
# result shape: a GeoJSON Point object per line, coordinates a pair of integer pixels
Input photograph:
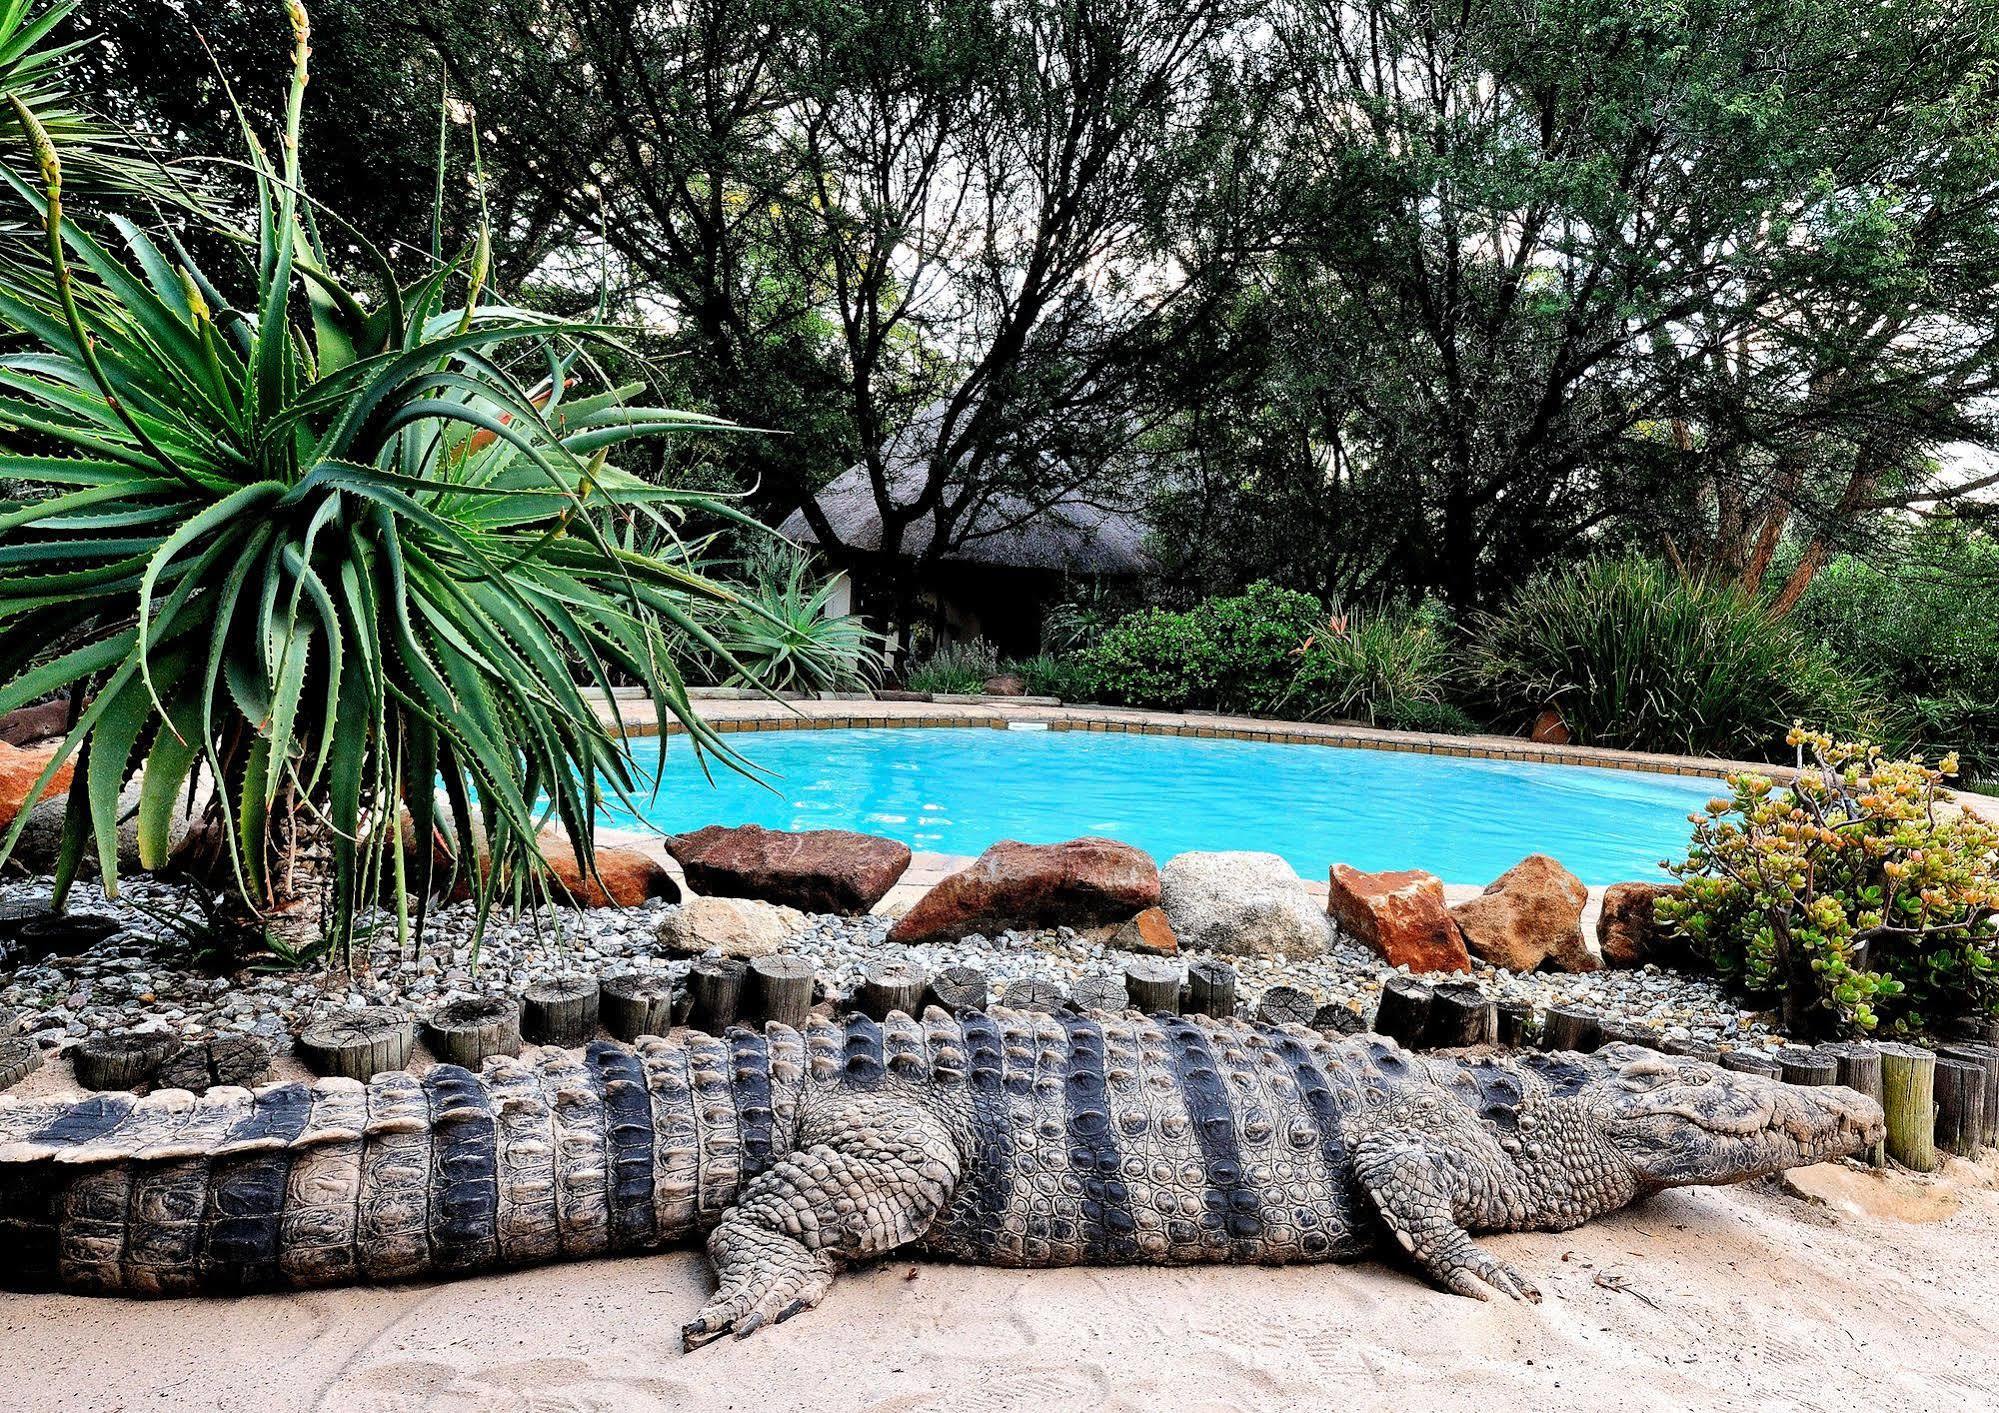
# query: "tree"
{"type": "Point", "coordinates": [1583, 269]}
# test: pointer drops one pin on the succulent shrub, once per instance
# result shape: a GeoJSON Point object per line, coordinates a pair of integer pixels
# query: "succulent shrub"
{"type": "Point", "coordinates": [956, 667]}
{"type": "Point", "coordinates": [1634, 655]}
{"type": "Point", "coordinates": [1386, 667]}
{"type": "Point", "coordinates": [307, 553]}
{"type": "Point", "coordinates": [1859, 895]}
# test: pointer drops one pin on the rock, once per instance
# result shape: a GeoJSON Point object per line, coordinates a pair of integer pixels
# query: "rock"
{"type": "Point", "coordinates": [41, 836]}
{"type": "Point", "coordinates": [1081, 883]}
{"type": "Point", "coordinates": [19, 770]}
{"type": "Point", "coordinates": [1150, 933]}
{"type": "Point", "coordinates": [1242, 905]}
{"type": "Point", "coordinates": [1401, 915]}
{"type": "Point", "coordinates": [1549, 729]}
{"type": "Point", "coordinates": [630, 877]}
{"type": "Point", "coordinates": [1005, 685]}
{"type": "Point", "coordinates": [1531, 914]}
{"type": "Point", "coordinates": [817, 871]}
{"type": "Point", "coordinates": [625, 877]}
{"type": "Point", "coordinates": [735, 927]}
{"type": "Point", "coordinates": [1627, 932]}
{"type": "Point", "coordinates": [28, 725]}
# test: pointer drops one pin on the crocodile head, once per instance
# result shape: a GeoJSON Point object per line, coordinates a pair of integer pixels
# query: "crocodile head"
{"type": "Point", "coordinates": [1677, 1121]}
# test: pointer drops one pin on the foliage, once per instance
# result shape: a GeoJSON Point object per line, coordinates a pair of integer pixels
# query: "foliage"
{"type": "Point", "coordinates": [1638, 657]}
{"type": "Point", "coordinates": [318, 551]}
{"type": "Point", "coordinates": [1052, 675]}
{"type": "Point", "coordinates": [1227, 654]}
{"type": "Point", "coordinates": [960, 668]}
{"type": "Point", "coordinates": [1383, 667]}
{"type": "Point", "coordinates": [1859, 894]}
{"type": "Point", "coordinates": [1927, 624]}
{"type": "Point", "coordinates": [776, 633]}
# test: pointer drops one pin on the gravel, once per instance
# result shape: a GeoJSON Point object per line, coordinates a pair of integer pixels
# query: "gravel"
{"type": "Point", "coordinates": [148, 976]}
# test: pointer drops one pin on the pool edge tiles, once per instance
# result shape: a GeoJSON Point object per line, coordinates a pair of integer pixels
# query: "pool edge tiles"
{"type": "Point", "coordinates": [737, 716]}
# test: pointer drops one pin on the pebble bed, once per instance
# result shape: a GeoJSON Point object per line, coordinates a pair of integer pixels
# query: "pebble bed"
{"type": "Point", "coordinates": [147, 977]}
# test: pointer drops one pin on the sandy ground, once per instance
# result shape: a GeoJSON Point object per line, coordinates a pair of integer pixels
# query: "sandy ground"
{"type": "Point", "coordinates": [1884, 1296]}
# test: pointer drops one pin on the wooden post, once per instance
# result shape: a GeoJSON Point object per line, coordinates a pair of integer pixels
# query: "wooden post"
{"type": "Point", "coordinates": [890, 986]}
{"type": "Point", "coordinates": [1460, 1015]}
{"type": "Point", "coordinates": [1571, 1028]}
{"type": "Point", "coordinates": [1152, 985]}
{"type": "Point", "coordinates": [1986, 1057]}
{"type": "Point", "coordinates": [1860, 1070]}
{"type": "Point", "coordinates": [1629, 1033]}
{"type": "Point", "coordinates": [781, 989]}
{"type": "Point", "coordinates": [560, 1011]}
{"type": "Point", "coordinates": [958, 990]}
{"type": "Point", "coordinates": [358, 1044]}
{"type": "Point", "coordinates": [1960, 1097]}
{"type": "Point", "coordinates": [1286, 1005]}
{"type": "Point", "coordinates": [1031, 993]}
{"type": "Point", "coordinates": [1748, 1061]}
{"type": "Point", "coordinates": [1100, 992]}
{"type": "Point", "coordinates": [1338, 1018]}
{"type": "Point", "coordinates": [1801, 1065]}
{"type": "Point", "coordinates": [716, 986]}
{"type": "Point", "coordinates": [1211, 984]}
{"type": "Point", "coordinates": [1404, 1012]}
{"type": "Point", "coordinates": [1516, 1024]}
{"type": "Point", "coordinates": [119, 1061]}
{"type": "Point", "coordinates": [637, 1003]}
{"type": "Point", "coordinates": [466, 1032]}
{"type": "Point", "coordinates": [232, 1059]}
{"type": "Point", "coordinates": [1908, 1087]}
{"type": "Point", "coordinates": [19, 1057]}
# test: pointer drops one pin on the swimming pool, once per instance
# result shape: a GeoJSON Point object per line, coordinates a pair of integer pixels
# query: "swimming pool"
{"type": "Point", "coordinates": [956, 791]}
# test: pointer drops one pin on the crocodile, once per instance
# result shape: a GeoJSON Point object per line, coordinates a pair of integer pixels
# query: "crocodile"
{"type": "Point", "coordinates": [1003, 1138]}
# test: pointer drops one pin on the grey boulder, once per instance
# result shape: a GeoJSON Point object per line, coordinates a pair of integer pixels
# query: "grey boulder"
{"type": "Point", "coordinates": [1242, 905]}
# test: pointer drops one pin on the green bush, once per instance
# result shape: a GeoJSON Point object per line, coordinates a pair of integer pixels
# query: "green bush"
{"type": "Point", "coordinates": [1636, 656]}
{"type": "Point", "coordinates": [1928, 628]}
{"type": "Point", "coordinates": [956, 667]}
{"type": "Point", "coordinates": [1234, 654]}
{"type": "Point", "coordinates": [1389, 668]}
{"type": "Point", "coordinates": [1857, 895]}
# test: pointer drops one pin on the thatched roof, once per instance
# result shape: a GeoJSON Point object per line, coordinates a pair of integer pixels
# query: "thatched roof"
{"type": "Point", "coordinates": [1079, 532]}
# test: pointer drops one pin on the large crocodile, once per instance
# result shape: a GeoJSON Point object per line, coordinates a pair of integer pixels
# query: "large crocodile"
{"type": "Point", "coordinates": [1007, 1138]}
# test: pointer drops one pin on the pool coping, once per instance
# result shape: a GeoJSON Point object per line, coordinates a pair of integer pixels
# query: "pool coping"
{"type": "Point", "coordinates": [636, 719]}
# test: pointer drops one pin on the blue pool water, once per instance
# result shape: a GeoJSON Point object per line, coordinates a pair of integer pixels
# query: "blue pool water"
{"type": "Point", "coordinates": [956, 791]}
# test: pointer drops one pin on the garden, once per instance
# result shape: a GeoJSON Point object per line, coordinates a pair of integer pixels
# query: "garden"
{"type": "Point", "coordinates": [1312, 556]}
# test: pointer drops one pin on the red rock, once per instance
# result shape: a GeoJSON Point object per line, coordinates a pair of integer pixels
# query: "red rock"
{"type": "Point", "coordinates": [630, 876]}
{"type": "Point", "coordinates": [1081, 883]}
{"type": "Point", "coordinates": [19, 770]}
{"type": "Point", "coordinates": [1401, 915]}
{"type": "Point", "coordinates": [1530, 915]}
{"type": "Point", "coordinates": [816, 871]}
{"type": "Point", "coordinates": [27, 725]}
{"type": "Point", "coordinates": [1005, 685]}
{"type": "Point", "coordinates": [1549, 729]}
{"type": "Point", "coordinates": [1150, 932]}
{"type": "Point", "coordinates": [1628, 931]}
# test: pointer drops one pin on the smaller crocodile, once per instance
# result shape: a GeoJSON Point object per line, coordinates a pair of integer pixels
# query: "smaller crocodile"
{"type": "Point", "coordinates": [1006, 1139]}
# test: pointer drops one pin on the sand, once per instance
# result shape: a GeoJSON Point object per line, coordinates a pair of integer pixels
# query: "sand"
{"type": "Point", "coordinates": [1883, 1295]}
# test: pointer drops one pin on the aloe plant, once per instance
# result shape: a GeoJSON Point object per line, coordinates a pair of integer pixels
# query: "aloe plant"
{"type": "Point", "coordinates": [319, 551]}
{"type": "Point", "coordinates": [779, 634]}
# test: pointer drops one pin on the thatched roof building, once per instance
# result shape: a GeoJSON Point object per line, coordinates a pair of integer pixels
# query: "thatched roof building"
{"type": "Point", "coordinates": [1005, 564]}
